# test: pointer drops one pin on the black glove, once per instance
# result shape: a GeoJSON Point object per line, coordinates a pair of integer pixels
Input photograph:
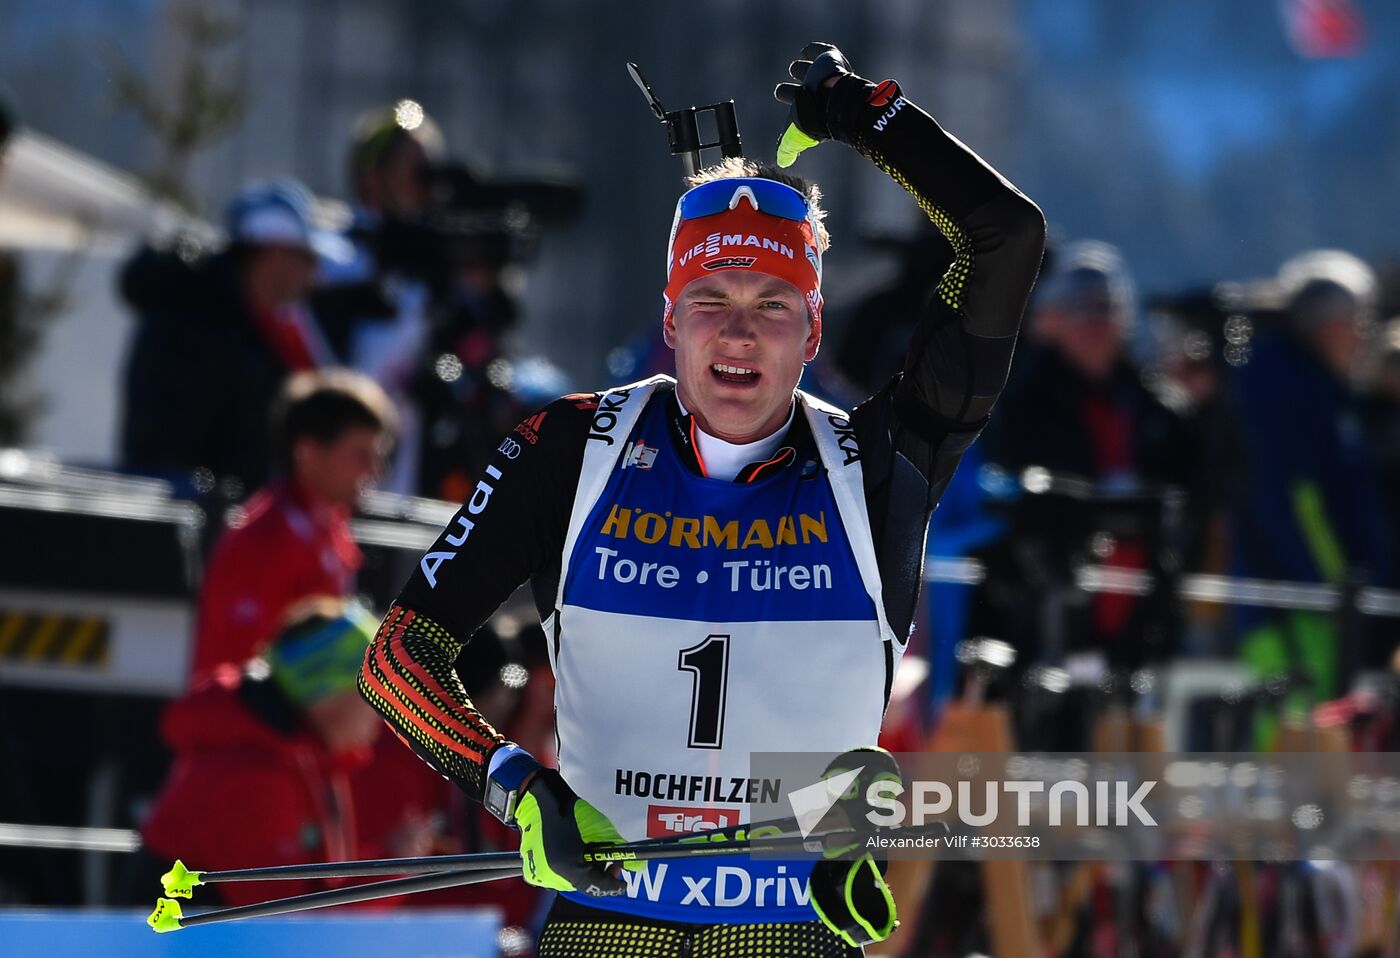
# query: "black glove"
{"type": "Point", "coordinates": [806, 99]}
{"type": "Point", "coordinates": [852, 899]}
{"type": "Point", "coordinates": [850, 896]}
{"type": "Point", "coordinates": [555, 825]}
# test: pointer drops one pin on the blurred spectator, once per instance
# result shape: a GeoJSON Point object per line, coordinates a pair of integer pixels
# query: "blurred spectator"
{"type": "Point", "coordinates": [390, 152]}
{"type": "Point", "coordinates": [431, 290]}
{"type": "Point", "coordinates": [473, 392]}
{"type": "Point", "coordinates": [384, 332]}
{"type": "Point", "coordinates": [216, 337]}
{"type": "Point", "coordinates": [1314, 512]}
{"type": "Point", "coordinates": [1076, 405]}
{"type": "Point", "coordinates": [263, 757]}
{"type": "Point", "coordinates": [1199, 337]}
{"type": "Point", "coordinates": [330, 433]}
{"type": "Point", "coordinates": [1382, 408]}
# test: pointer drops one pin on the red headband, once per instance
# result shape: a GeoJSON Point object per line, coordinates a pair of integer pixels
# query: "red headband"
{"type": "Point", "coordinates": [744, 238]}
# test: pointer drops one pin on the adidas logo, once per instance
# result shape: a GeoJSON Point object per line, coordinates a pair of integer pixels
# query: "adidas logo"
{"type": "Point", "coordinates": [530, 428]}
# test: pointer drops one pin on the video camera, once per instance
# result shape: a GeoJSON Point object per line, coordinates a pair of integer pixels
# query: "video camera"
{"type": "Point", "coordinates": [472, 221]}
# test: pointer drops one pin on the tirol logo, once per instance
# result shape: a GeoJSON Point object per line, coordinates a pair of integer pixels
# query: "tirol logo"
{"type": "Point", "coordinates": [605, 419]}
{"type": "Point", "coordinates": [666, 820]}
{"type": "Point", "coordinates": [730, 262]}
{"type": "Point", "coordinates": [884, 93]}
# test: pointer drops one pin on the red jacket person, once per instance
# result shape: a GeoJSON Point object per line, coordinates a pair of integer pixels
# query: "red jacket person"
{"type": "Point", "coordinates": [263, 757]}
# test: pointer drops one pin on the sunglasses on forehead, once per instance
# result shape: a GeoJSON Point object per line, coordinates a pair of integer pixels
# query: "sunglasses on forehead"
{"type": "Point", "coordinates": [767, 196]}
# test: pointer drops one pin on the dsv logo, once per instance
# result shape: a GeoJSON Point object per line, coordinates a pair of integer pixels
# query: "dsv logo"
{"type": "Point", "coordinates": [509, 448]}
{"type": "Point", "coordinates": [605, 419]}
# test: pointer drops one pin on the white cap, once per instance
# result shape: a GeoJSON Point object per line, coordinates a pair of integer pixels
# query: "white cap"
{"type": "Point", "coordinates": [275, 213]}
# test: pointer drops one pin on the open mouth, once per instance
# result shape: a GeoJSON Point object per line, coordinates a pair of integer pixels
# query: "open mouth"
{"type": "Point", "coordinates": [728, 373]}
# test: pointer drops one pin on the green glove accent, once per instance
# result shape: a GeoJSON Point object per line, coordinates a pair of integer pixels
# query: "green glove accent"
{"type": "Point", "coordinates": [815, 66]}
{"type": "Point", "coordinates": [555, 826]}
{"type": "Point", "coordinates": [852, 899]}
{"type": "Point", "coordinates": [595, 829]}
{"type": "Point", "coordinates": [166, 917]}
{"type": "Point", "coordinates": [793, 142]}
{"type": "Point", "coordinates": [180, 882]}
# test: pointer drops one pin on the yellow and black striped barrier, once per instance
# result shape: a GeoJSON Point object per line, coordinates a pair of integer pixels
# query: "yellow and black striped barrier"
{"type": "Point", "coordinates": [49, 638]}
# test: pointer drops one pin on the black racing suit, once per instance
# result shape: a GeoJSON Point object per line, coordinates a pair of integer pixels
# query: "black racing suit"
{"type": "Point", "coordinates": [911, 435]}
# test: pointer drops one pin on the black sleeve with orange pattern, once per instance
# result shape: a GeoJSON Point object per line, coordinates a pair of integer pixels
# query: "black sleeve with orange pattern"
{"type": "Point", "coordinates": [960, 353]}
{"type": "Point", "coordinates": [408, 677]}
{"type": "Point", "coordinates": [510, 531]}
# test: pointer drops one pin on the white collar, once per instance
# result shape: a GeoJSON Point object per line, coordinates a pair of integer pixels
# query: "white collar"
{"type": "Point", "coordinates": [724, 459]}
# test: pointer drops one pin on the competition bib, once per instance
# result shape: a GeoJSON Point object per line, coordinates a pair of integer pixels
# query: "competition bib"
{"type": "Point", "coordinates": [699, 620]}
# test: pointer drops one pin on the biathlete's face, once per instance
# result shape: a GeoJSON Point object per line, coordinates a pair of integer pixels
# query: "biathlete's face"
{"type": "Point", "coordinates": [741, 340]}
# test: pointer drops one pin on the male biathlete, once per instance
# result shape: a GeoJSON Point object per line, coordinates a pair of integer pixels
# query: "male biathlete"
{"type": "Point", "coordinates": [722, 563]}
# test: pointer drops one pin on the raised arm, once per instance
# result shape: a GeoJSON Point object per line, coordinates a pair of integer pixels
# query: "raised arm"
{"type": "Point", "coordinates": [914, 431]}
{"type": "Point", "coordinates": [960, 353]}
{"type": "Point", "coordinates": [959, 356]}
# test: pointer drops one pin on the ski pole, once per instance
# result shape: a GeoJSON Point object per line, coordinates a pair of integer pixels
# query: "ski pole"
{"type": "Point", "coordinates": [665, 849]}
{"type": "Point", "coordinates": [181, 880]}
{"type": "Point", "coordinates": [168, 917]}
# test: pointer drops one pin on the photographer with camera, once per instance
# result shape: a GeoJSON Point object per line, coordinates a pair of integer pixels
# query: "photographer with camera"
{"type": "Point", "coordinates": [376, 312]}
{"type": "Point", "coordinates": [423, 304]}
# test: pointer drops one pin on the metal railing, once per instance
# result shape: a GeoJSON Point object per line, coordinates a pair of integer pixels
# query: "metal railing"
{"type": "Point", "coordinates": [1196, 587]}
